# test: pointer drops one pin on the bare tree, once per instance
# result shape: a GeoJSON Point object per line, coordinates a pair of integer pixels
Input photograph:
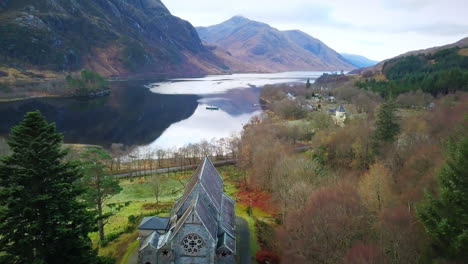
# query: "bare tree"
{"type": "Point", "coordinates": [156, 187]}
{"type": "Point", "coordinates": [161, 154]}
{"type": "Point", "coordinates": [116, 152]}
{"type": "Point", "coordinates": [326, 229]}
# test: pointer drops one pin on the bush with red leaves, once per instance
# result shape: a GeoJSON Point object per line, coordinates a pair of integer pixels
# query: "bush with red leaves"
{"type": "Point", "coordinates": [267, 257]}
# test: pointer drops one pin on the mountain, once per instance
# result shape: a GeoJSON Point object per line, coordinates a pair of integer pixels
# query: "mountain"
{"type": "Point", "coordinates": [463, 43]}
{"type": "Point", "coordinates": [358, 60]}
{"type": "Point", "coordinates": [113, 37]}
{"type": "Point", "coordinates": [264, 48]}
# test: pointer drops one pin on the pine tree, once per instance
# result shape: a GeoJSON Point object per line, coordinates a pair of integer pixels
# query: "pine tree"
{"type": "Point", "coordinates": [445, 217]}
{"type": "Point", "coordinates": [308, 84]}
{"type": "Point", "coordinates": [100, 186]}
{"type": "Point", "coordinates": [41, 219]}
{"type": "Point", "coordinates": [387, 127]}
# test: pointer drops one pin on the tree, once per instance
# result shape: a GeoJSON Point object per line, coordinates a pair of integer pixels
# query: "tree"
{"type": "Point", "coordinates": [387, 127]}
{"type": "Point", "coordinates": [326, 229]}
{"type": "Point", "coordinates": [41, 219]}
{"type": "Point", "coordinates": [308, 85]}
{"type": "Point", "coordinates": [375, 188]}
{"type": "Point", "coordinates": [445, 217]}
{"type": "Point", "coordinates": [100, 187]}
{"type": "Point", "coordinates": [156, 186]}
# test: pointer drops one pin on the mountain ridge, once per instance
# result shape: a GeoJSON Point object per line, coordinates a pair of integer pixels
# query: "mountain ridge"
{"type": "Point", "coordinates": [113, 37]}
{"type": "Point", "coordinates": [359, 60]}
{"type": "Point", "coordinates": [257, 43]}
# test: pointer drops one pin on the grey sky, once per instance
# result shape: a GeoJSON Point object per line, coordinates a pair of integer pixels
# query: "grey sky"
{"type": "Point", "coordinates": [378, 29]}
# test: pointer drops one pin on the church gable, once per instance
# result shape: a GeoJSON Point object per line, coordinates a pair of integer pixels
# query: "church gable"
{"type": "Point", "coordinates": [201, 228]}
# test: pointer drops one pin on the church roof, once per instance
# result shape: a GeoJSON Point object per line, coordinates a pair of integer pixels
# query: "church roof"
{"type": "Point", "coordinates": [154, 223]}
{"type": "Point", "coordinates": [204, 196]}
{"type": "Point", "coordinates": [228, 215]}
{"type": "Point", "coordinates": [207, 214]}
{"type": "Point", "coordinates": [227, 241]}
{"type": "Point", "coordinates": [206, 179]}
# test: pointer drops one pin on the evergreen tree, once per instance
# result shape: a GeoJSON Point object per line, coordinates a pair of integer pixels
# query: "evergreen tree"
{"type": "Point", "coordinates": [387, 127]}
{"type": "Point", "coordinates": [41, 219]}
{"type": "Point", "coordinates": [308, 84]}
{"type": "Point", "coordinates": [100, 187]}
{"type": "Point", "coordinates": [445, 217]}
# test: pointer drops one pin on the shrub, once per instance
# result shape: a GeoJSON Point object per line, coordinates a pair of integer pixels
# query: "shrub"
{"type": "Point", "coordinates": [267, 257]}
{"type": "Point", "coordinates": [266, 235]}
{"type": "Point", "coordinates": [110, 237]}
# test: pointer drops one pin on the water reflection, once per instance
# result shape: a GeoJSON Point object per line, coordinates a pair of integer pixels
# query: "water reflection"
{"type": "Point", "coordinates": [131, 115]}
{"type": "Point", "coordinates": [203, 125]}
{"type": "Point", "coordinates": [155, 115]}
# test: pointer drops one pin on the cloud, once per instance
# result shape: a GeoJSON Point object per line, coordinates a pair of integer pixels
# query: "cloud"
{"type": "Point", "coordinates": [378, 28]}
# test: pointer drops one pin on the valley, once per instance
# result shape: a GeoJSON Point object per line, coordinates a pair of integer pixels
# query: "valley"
{"type": "Point", "coordinates": [143, 132]}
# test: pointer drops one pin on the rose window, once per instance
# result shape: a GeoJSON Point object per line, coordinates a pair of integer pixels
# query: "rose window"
{"type": "Point", "coordinates": [192, 243]}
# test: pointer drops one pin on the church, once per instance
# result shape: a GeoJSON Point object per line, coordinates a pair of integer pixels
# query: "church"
{"type": "Point", "coordinates": [201, 228]}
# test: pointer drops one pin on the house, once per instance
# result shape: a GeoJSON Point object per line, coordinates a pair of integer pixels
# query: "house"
{"type": "Point", "coordinates": [200, 229]}
{"type": "Point", "coordinates": [340, 115]}
{"type": "Point", "coordinates": [291, 96]}
{"type": "Point", "coordinates": [340, 112]}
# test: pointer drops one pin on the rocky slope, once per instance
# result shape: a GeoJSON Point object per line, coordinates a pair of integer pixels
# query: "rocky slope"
{"type": "Point", "coordinates": [264, 48]}
{"type": "Point", "coordinates": [113, 37]}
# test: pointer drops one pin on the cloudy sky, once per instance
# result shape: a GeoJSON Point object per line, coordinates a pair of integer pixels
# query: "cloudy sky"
{"type": "Point", "coordinates": [378, 29]}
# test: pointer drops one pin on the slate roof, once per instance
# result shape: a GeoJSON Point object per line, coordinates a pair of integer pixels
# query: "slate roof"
{"type": "Point", "coordinates": [204, 195]}
{"type": "Point", "coordinates": [228, 215]}
{"type": "Point", "coordinates": [341, 109]}
{"type": "Point", "coordinates": [212, 182]}
{"type": "Point", "coordinates": [154, 223]}
{"type": "Point", "coordinates": [206, 179]}
{"type": "Point", "coordinates": [208, 214]}
{"type": "Point", "coordinates": [227, 241]}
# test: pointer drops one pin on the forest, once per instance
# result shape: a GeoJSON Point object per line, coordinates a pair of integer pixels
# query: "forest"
{"type": "Point", "coordinates": [444, 72]}
{"type": "Point", "coordinates": [387, 187]}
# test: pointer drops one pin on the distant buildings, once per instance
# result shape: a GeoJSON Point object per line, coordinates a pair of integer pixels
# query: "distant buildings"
{"type": "Point", "coordinates": [339, 114]}
{"type": "Point", "coordinates": [291, 96]}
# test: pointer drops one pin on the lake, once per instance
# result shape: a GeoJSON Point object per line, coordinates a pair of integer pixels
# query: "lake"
{"type": "Point", "coordinates": [155, 114]}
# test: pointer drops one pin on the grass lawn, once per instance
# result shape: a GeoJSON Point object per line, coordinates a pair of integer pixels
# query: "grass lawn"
{"type": "Point", "coordinates": [142, 202]}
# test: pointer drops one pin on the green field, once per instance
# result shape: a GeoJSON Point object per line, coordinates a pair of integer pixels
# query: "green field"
{"type": "Point", "coordinates": [142, 202]}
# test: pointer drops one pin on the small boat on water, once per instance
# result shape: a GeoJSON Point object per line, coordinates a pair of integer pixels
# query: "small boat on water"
{"type": "Point", "coordinates": [212, 107]}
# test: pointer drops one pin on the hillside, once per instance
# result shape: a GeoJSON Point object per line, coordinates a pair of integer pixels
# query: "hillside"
{"type": "Point", "coordinates": [442, 72]}
{"type": "Point", "coordinates": [113, 37]}
{"type": "Point", "coordinates": [358, 60]}
{"type": "Point", "coordinates": [269, 49]}
{"type": "Point", "coordinates": [378, 67]}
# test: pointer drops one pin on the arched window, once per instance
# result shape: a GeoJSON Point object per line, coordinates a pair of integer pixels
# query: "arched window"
{"type": "Point", "coordinates": [192, 243]}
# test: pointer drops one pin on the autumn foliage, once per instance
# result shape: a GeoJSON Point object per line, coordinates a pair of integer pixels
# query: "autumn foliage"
{"type": "Point", "coordinates": [350, 200]}
{"type": "Point", "coordinates": [267, 257]}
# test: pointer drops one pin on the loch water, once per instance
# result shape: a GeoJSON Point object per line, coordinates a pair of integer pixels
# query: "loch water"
{"type": "Point", "coordinates": [155, 114]}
